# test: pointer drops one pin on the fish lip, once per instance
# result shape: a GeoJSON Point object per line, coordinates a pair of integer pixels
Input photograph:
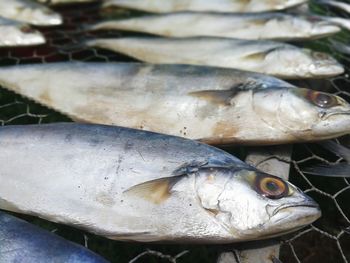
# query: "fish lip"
{"type": "Point", "coordinates": [307, 202]}
{"type": "Point", "coordinates": [330, 114]}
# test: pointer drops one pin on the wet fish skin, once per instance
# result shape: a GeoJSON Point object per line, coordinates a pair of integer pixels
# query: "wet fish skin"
{"type": "Point", "coordinates": [29, 12]}
{"type": "Point", "coordinates": [215, 105]}
{"type": "Point", "coordinates": [22, 242]}
{"type": "Point", "coordinates": [128, 184]}
{"type": "Point", "coordinates": [274, 26]}
{"type": "Point", "coordinates": [268, 57]}
{"type": "Point", "coordinates": [236, 6]}
{"type": "Point", "coordinates": [14, 33]}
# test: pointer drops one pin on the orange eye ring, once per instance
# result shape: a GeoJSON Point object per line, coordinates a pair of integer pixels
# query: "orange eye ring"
{"type": "Point", "coordinates": [271, 186]}
{"type": "Point", "coordinates": [321, 99]}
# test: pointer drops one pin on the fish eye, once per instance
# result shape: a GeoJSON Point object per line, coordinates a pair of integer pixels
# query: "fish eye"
{"type": "Point", "coordinates": [271, 186]}
{"type": "Point", "coordinates": [321, 99]}
{"type": "Point", "coordinates": [320, 55]}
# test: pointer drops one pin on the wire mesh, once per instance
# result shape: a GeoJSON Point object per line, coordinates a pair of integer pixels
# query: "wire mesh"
{"type": "Point", "coordinates": [327, 240]}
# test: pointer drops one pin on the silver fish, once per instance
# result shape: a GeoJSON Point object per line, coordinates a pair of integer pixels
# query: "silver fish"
{"type": "Point", "coordinates": [216, 105]}
{"type": "Point", "coordinates": [14, 33]}
{"type": "Point", "coordinates": [23, 242]}
{"type": "Point", "coordinates": [273, 58]}
{"type": "Point", "coordinates": [235, 6]}
{"type": "Point", "coordinates": [276, 26]}
{"type": "Point", "coordinates": [128, 184]}
{"type": "Point", "coordinates": [29, 12]}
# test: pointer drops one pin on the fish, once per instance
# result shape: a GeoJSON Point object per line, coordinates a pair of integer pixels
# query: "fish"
{"type": "Point", "coordinates": [29, 12]}
{"type": "Point", "coordinates": [132, 185]}
{"type": "Point", "coordinates": [273, 26]}
{"type": "Point", "coordinates": [274, 58]}
{"type": "Point", "coordinates": [24, 242]}
{"type": "Point", "coordinates": [235, 6]}
{"type": "Point", "coordinates": [215, 105]}
{"type": "Point", "coordinates": [339, 169]}
{"type": "Point", "coordinates": [14, 33]}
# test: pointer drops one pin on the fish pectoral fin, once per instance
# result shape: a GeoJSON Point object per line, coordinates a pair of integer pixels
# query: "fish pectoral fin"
{"type": "Point", "coordinates": [156, 191]}
{"type": "Point", "coordinates": [259, 56]}
{"type": "Point", "coordinates": [220, 97]}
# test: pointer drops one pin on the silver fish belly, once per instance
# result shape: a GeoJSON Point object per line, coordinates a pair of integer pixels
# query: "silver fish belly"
{"type": "Point", "coordinates": [23, 242]}
{"type": "Point", "coordinates": [14, 33]}
{"type": "Point", "coordinates": [29, 12]}
{"type": "Point", "coordinates": [272, 58]}
{"type": "Point", "coordinates": [235, 6]}
{"type": "Point", "coordinates": [128, 184]}
{"type": "Point", "coordinates": [216, 105]}
{"type": "Point", "coordinates": [275, 26]}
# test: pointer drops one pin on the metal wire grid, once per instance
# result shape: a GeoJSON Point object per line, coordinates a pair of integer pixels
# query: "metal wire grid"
{"type": "Point", "coordinates": [327, 240]}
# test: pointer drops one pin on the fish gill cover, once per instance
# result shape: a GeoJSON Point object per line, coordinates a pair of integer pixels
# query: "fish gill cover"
{"type": "Point", "coordinates": [327, 240]}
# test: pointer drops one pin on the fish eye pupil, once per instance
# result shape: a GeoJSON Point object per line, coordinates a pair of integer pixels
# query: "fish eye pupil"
{"type": "Point", "coordinates": [272, 186]}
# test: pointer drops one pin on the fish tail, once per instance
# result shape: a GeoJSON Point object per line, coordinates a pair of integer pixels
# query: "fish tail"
{"type": "Point", "coordinates": [337, 149]}
{"type": "Point", "coordinates": [337, 170]}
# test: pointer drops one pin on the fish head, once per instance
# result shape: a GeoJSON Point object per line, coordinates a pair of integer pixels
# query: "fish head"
{"type": "Point", "coordinates": [27, 35]}
{"type": "Point", "coordinates": [45, 16]}
{"type": "Point", "coordinates": [302, 114]}
{"type": "Point", "coordinates": [253, 205]}
{"type": "Point", "coordinates": [290, 62]}
{"type": "Point", "coordinates": [321, 27]}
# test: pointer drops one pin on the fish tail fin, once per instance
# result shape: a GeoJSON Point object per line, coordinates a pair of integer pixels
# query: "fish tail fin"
{"type": "Point", "coordinates": [337, 170]}
{"type": "Point", "coordinates": [337, 149]}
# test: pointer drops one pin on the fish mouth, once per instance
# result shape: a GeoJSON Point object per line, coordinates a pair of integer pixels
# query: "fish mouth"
{"type": "Point", "coordinates": [308, 203]}
{"type": "Point", "coordinates": [330, 114]}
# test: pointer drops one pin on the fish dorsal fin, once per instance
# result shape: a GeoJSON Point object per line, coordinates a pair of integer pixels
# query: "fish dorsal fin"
{"type": "Point", "coordinates": [156, 191]}
{"type": "Point", "coordinates": [224, 97]}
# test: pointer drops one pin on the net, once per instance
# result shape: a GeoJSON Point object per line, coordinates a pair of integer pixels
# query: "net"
{"type": "Point", "coordinates": [327, 240]}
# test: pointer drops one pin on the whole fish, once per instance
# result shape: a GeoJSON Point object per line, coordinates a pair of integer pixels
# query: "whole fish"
{"type": "Point", "coordinates": [268, 57]}
{"type": "Point", "coordinates": [22, 242]}
{"type": "Point", "coordinates": [215, 105]}
{"type": "Point", "coordinates": [128, 184]}
{"type": "Point", "coordinates": [276, 26]}
{"type": "Point", "coordinates": [14, 33]}
{"type": "Point", "coordinates": [29, 12]}
{"type": "Point", "coordinates": [235, 6]}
